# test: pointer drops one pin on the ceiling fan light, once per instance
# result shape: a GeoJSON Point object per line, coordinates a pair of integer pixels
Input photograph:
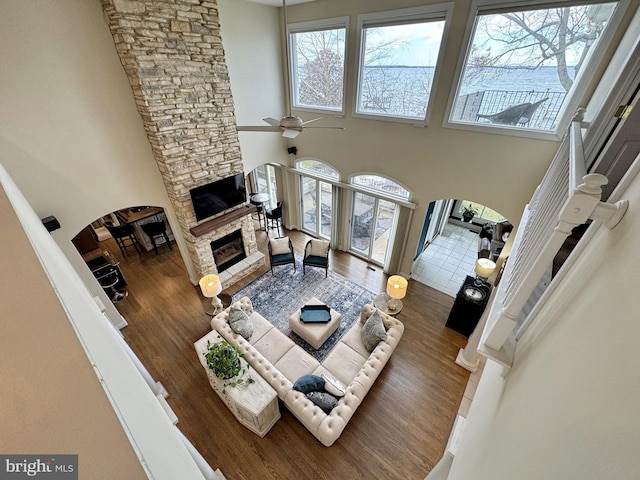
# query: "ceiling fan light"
{"type": "Point", "coordinates": [290, 122]}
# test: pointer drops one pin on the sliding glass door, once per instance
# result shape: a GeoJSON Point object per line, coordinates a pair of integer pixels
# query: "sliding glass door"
{"type": "Point", "coordinates": [317, 200]}
{"type": "Point", "coordinates": [371, 224]}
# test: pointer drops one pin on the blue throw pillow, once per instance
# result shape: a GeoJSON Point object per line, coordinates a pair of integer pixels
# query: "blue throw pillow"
{"type": "Point", "coordinates": [309, 383]}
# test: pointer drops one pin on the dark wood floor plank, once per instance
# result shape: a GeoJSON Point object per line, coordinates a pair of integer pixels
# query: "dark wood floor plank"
{"type": "Point", "coordinates": [399, 431]}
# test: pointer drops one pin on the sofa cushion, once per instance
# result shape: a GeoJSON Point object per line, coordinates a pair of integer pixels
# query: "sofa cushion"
{"type": "Point", "coordinates": [353, 338]}
{"type": "Point", "coordinates": [281, 258]}
{"type": "Point", "coordinates": [309, 383]}
{"type": "Point", "coordinates": [344, 363]}
{"type": "Point", "coordinates": [334, 386]}
{"type": "Point", "coordinates": [295, 363]}
{"type": "Point", "coordinates": [280, 246]}
{"type": "Point", "coordinates": [240, 322]}
{"type": "Point", "coordinates": [373, 331]}
{"type": "Point", "coordinates": [273, 345]}
{"type": "Point", "coordinates": [260, 327]}
{"type": "Point", "coordinates": [324, 400]}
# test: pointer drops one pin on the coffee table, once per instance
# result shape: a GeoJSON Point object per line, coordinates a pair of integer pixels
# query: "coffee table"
{"type": "Point", "coordinates": [315, 334]}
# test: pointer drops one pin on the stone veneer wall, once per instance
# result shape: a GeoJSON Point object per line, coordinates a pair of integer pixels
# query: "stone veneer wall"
{"type": "Point", "coordinates": [172, 53]}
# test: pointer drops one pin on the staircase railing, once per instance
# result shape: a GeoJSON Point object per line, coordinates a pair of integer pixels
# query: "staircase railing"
{"type": "Point", "coordinates": [566, 197]}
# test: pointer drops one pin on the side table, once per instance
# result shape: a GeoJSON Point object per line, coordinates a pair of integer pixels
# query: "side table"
{"type": "Point", "coordinates": [381, 302]}
{"type": "Point", "coordinates": [468, 306]}
{"type": "Point", "coordinates": [255, 405]}
{"type": "Point", "coordinates": [225, 298]}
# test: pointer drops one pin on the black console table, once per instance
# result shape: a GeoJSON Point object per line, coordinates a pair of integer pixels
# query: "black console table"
{"type": "Point", "coordinates": [468, 306]}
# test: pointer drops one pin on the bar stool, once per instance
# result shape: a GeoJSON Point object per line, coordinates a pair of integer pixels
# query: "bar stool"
{"type": "Point", "coordinates": [274, 216]}
{"type": "Point", "coordinates": [155, 230]}
{"type": "Point", "coordinates": [123, 235]}
{"type": "Point", "coordinates": [108, 282]}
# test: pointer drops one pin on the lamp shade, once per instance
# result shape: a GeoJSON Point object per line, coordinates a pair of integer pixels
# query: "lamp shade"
{"type": "Point", "coordinates": [484, 267]}
{"type": "Point", "coordinates": [397, 287]}
{"type": "Point", "coordinates": [210, 285]}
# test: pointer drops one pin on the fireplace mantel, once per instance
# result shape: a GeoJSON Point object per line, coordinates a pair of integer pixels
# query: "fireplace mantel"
{"type": "Point", "coordinates": [222, 220]}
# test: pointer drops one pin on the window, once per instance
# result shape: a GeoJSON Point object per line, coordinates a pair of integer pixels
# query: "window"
{"type": "Point", "coordinates": [265, 181]}
{"type": "Point", "coordinates": [524, 66]}
{"type": "Point", "coordinates": [317, 197]}
{"type": "Point", "coordinates": [373, 219]}
{"type": "Point", "coordinates": [381, 185]}
{"type": "Point", "coordinates": [318, 168]}
{"type": "Point", "coordinates": [483, 214]}
{"type": "Point", "coordinates": [317, 64]}
{"type": "Point", "coordinates": [399, 54]}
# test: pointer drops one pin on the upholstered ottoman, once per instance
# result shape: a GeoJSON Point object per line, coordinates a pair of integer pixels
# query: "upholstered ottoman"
{"type": "Point", "coordinates": [315, 334]}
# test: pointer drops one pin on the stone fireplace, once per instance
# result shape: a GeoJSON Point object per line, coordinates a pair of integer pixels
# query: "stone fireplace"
{"type": "Point", "coordinates": [172, 53]}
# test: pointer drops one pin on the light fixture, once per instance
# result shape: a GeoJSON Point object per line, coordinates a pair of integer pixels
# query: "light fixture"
{"type": "Point", "coordinates": [484, 268]}
{"type": "Point", "coordinates": [211, 287]}
{"type": "Point", "coordinates": [396, 289]}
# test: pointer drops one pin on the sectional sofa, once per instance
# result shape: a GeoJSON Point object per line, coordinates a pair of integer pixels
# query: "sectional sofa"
{"type": "Point", "coordinates": [281, 362]}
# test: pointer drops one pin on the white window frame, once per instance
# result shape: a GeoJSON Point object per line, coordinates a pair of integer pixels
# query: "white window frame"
{"type": "Point", "coordinates": [313, 26]}
{"type": "Point", "coordinates": [580, 84]}
{"type": "Point", "coordinates": [438, 12]}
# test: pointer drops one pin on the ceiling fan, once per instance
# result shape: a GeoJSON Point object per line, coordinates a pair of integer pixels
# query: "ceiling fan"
{"type": "Point", "coordinates": [290, 125]}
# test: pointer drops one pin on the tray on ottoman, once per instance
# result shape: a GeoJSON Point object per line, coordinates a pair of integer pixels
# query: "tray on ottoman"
{"type": "Point", "coordinates": [315, 314]}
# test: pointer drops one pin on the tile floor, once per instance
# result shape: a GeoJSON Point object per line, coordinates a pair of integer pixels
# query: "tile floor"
{"type": "Point", "coordinates": [448, 260]}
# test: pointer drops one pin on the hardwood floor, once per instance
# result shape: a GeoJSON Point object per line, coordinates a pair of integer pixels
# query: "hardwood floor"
{"type": "Point", "coordinates": [398, 432]}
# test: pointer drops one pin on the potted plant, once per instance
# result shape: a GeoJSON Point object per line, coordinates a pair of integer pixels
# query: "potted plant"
{"type": "Point", "coordinates": [468, 212]}
{"type": "Point", "coordinates": [224, 360]}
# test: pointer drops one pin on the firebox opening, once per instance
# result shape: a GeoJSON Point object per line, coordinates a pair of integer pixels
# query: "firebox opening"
{"type": "Point", "coordinates": [228, 250]}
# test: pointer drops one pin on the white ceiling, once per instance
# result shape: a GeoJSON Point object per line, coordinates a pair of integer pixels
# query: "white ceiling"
{"type": "Point", "coordinates": [278, 3]}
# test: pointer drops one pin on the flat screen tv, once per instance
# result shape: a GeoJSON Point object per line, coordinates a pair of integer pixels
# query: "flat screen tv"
{"type": "Point", "coordinates": [215, 197]}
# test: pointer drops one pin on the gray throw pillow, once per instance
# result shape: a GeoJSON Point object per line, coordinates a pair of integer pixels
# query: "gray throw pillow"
{"type": "Point", "coordinates": [324, 400]}
{"type": "Point", "coordinates": [240, 322]}
{"type": "Point", "coordinates": [373, 331]}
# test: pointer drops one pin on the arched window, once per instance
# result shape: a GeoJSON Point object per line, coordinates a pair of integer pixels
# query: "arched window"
{"type": "Point", "coordinates": [318, 168]}
{"type": "Point", "coordinates": [381, 184]}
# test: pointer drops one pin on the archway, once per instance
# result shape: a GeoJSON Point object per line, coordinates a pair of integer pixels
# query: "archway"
{"type": "Point", "coordinates": [451, 242]}
{"type": "Point", "coordinates": [121, 241]}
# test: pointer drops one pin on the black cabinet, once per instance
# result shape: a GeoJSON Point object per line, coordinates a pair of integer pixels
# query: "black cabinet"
{"type": "Point", "coordinates": [468, 306]}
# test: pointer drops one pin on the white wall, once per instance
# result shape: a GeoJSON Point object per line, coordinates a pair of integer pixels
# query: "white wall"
{"type": "Point", "coordinates": [254, 59]}
{"type": "Point", "coordinates": [434, 162]}
{"type": "Point", "coordinates": [90, 398]}
{"type": "Point", "coordinates": [569, 406]}
{"type": "Point", "coordinates": [70, 134]}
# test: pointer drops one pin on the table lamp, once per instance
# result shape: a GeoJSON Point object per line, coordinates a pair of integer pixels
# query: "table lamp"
{"type": "Point", "coordinates": [484, 268]}
{"type": "Point", "coordinates": [396, 289]}
{"type": "Point", "coordinates": [211, 287]}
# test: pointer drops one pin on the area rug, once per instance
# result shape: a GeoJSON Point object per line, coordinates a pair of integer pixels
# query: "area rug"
{"type": "Point", "coordinates": [277, 297]}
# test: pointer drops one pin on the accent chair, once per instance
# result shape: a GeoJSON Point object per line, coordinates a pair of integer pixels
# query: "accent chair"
{"type": "Point", "coordinates": [316, 254]}
{"type": "Point", "coordinates": [281, 252]}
